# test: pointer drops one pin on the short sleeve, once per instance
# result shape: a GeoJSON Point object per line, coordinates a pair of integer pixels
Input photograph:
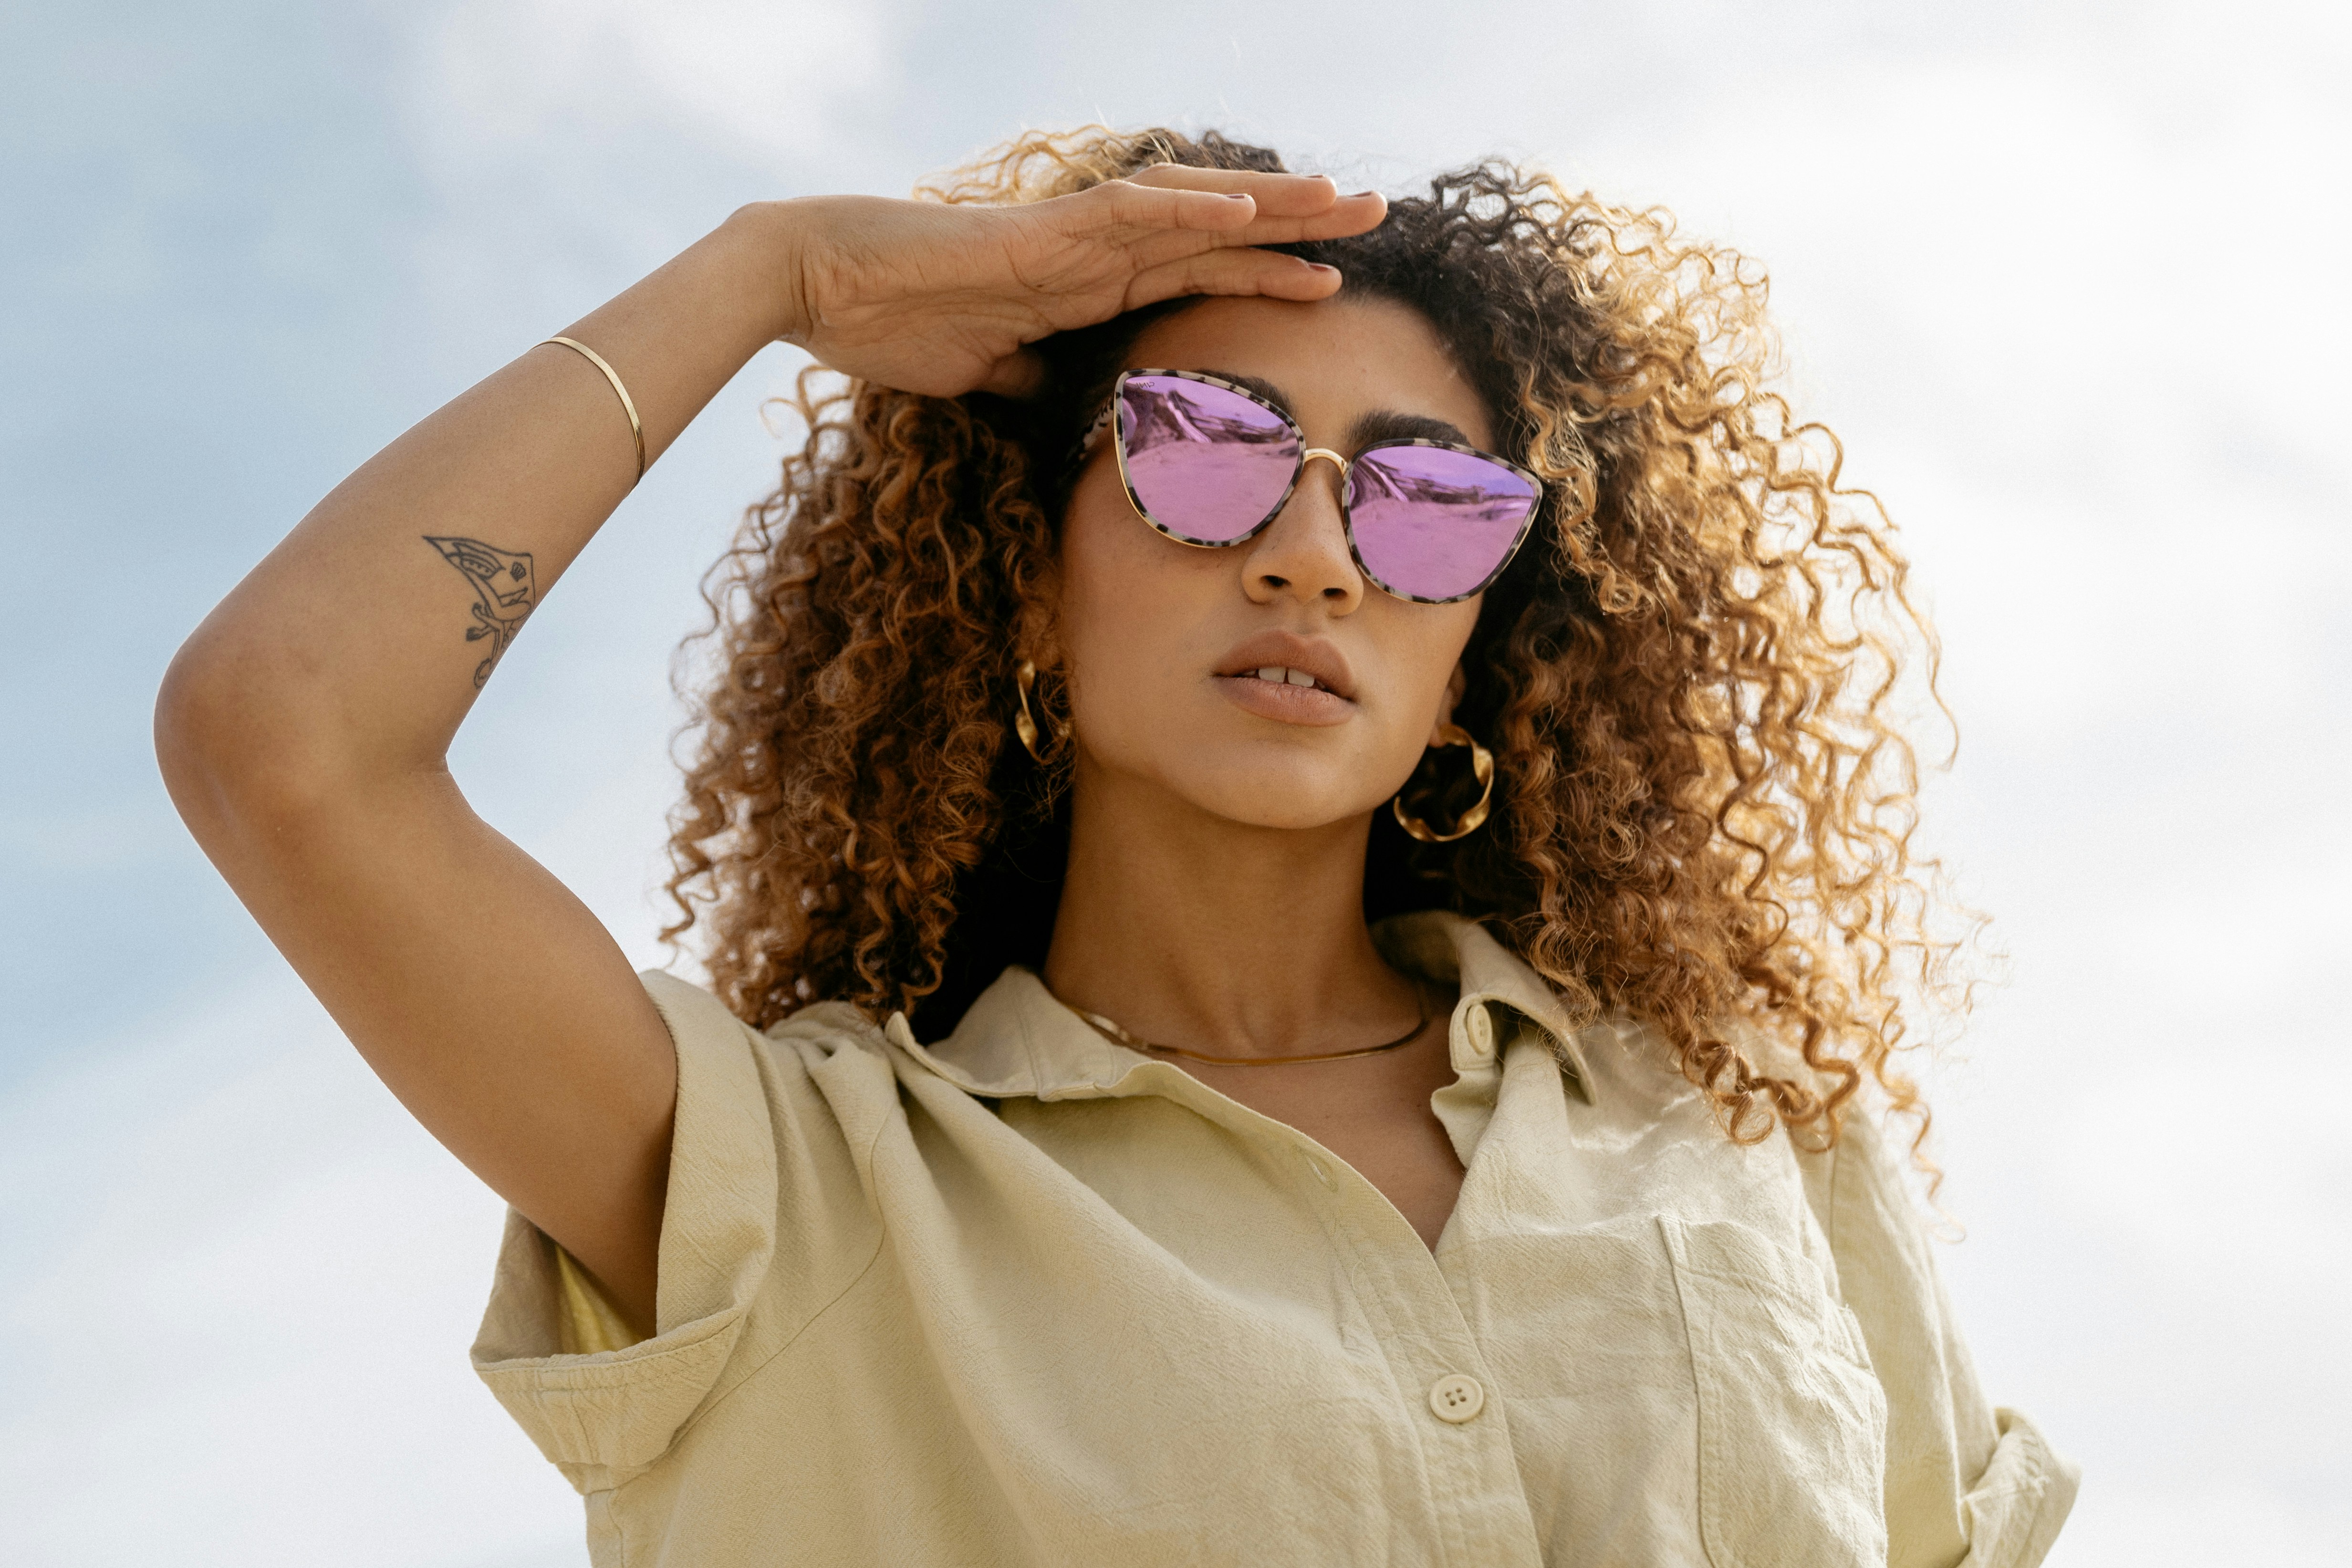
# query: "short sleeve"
{"type": "Point", "coordinates": [1968, 1485]}
{"type": "Point", "coordinates": [602, 1417]}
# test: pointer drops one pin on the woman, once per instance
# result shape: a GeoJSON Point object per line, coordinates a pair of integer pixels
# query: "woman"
{"type": "Point", "coordinates": [1304, 870]}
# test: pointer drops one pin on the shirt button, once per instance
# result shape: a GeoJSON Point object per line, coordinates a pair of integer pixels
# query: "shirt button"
{"type": "Point", "coordinates": [1456, 1398]}
{"type": "Point", "coordinates": [1481, 1029]}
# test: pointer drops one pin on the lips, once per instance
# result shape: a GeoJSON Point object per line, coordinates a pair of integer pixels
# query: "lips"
{"type": "Point", "coordinates": [1287, 660]}
{"type": "Point", "coordinates": [1289, 679]}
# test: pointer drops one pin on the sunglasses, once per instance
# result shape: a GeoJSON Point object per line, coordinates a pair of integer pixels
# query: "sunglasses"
{"type": "Point", "coordinates": [1209, 463]}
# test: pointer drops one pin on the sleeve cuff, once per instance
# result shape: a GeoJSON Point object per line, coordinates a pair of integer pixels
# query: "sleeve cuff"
{"type": "Point", "coordinates": [2017, 1506]}
{"type": "Point", "coordinates": [603, 1415]}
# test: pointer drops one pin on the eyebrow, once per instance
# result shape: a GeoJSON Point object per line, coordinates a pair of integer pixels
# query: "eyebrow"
{"type": "Point", "coordinates": [1378, 425]}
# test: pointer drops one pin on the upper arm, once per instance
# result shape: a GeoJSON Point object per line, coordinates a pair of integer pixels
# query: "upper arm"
{"type": "Point", "coordinates": [486, 997]}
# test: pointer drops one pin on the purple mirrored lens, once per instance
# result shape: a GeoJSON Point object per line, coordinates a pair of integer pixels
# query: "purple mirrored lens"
{"type": "Point", "coordinates": [1434, 523]}
{"type": "Point", "coordinates": [1208, 465]}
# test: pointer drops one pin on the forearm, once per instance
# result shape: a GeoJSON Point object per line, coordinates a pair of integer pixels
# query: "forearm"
{"type": "Point", "coordinates": [357, 646]}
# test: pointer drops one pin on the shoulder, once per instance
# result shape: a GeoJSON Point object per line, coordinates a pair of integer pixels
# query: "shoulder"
{"type": "Point", "coordinates": [767, 1217]}
{"type": "Point", "coordinates": [1863, 1190]}
{"type": "Point", "coordinates": [701, 1025]}
{"type": "Point", "coordinates": [813, 1087]}
{"type": "Point", "coordinates": [1860, 1185]}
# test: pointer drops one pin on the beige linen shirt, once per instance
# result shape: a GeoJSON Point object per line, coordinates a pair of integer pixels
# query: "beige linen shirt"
{"type": "Point", "coordinates": [1024, 1296]}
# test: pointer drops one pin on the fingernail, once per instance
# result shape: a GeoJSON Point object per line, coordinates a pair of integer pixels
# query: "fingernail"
{"type": "Point", "coordinates": [1359, 195]}
{"type": "Point", "coordinates": [1235, 196]}
{"type": "Point", "coordinates": [1319, 266]}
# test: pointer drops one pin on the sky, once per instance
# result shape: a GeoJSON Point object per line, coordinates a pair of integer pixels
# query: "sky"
{"type": "Point", "coordinates": [2061, 275]}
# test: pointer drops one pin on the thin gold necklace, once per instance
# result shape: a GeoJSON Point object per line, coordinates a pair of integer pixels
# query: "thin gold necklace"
{"type": "Point", "coordinates": [1117, 1036]}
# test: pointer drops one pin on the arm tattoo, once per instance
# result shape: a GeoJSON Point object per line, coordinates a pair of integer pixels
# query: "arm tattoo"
{"type": "Point", "coordinates": [504, 592]}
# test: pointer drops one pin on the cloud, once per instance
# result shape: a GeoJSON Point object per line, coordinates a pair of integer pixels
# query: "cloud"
{"type": "Point", "coordinates": [2230, 1523]}
{"type": "Point", "coordinates": [767, 84]}
{"type": "Point", "coordinates": [2058, 274]}
{"type": "Point", "coordinates": [241, 1284]}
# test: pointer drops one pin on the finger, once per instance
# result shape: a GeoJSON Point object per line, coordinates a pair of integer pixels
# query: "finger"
{"type": "Point", "coordinates": [1290, 207]}
{"type": "Point", "coordinates": [1288, 195]}
{"type": "Point", "coordinates": [1349, 216]}
{"type": "Point", "coordinates": [1258, 272]}
{"type": "Point", "coordinates": [1121, 204]}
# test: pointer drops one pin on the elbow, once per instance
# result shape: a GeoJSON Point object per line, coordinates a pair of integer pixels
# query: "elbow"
{"type": "Point", "coordinates": [230, 746]}
{"type": "Point", "coordinates": [194, 726]}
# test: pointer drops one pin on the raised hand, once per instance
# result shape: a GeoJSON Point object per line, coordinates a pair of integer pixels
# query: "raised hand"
{"type": "Point", "coordinates": [305, 727]}
{"type": "Point", "coordinates": [942, 299]}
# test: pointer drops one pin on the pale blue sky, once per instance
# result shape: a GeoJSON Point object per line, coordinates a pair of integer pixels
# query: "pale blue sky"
{"type": "Point", "coordinates": [2058, 273]}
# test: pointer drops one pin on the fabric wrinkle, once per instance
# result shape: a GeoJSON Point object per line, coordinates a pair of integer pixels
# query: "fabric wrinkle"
{"type": "Point", "coordinates": [1067, 1303]}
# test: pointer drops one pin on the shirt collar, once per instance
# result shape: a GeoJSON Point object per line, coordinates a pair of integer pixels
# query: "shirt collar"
{"type": "Point", "coordinates": [1018, 1040]}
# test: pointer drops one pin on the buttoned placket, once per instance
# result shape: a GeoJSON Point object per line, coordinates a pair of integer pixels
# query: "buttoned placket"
{"type": "Point", "coordinates": [1447, 1397]}
{"type": "Point", "coordinates": [1477, 1499]}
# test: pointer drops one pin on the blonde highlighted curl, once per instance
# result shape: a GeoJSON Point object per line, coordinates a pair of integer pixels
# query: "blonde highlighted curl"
{"type": "Point", "coordinates": [1690, 677]}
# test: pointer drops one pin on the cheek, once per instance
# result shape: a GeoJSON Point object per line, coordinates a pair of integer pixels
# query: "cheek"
{"type": "Point", "coordinates": [1091, 568]}
{"type": "Point", "coordinates": [1089, 548]}
{"type": "Point", "coordinates": [1126, 592]}
{"type": "Point", "coordinates": [1428, 640]}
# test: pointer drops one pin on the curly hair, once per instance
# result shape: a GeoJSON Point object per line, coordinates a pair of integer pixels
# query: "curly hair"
{"type": "Point", "coordinates": [1703, 802]}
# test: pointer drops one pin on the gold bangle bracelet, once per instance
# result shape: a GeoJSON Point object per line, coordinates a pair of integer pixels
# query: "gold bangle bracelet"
{"type": "Point", "coordinates": [637, 430]}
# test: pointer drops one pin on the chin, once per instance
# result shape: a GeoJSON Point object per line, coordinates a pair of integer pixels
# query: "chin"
{"type": "Point", "coordinates": [1293, 799]}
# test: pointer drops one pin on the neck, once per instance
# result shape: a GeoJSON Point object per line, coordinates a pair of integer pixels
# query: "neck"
{"type": "Point", "coordinates": [1214, 935]}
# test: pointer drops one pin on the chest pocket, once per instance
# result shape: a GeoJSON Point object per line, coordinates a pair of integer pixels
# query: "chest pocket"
{"type": "Point", "coordinates": [1791, 1420]}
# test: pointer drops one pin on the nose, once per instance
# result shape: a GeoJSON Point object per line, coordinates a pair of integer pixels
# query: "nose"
{"type": "Point", "coordinates": [1303, 554]}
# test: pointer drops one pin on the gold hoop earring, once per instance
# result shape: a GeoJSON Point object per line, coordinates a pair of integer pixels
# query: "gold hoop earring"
{"type": "Point", "coordinates": [1482, 765]}
{"type": "Point", "coordinates": [1024, 679]}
